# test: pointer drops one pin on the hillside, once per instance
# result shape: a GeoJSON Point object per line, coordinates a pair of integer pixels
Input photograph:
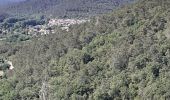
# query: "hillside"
{"type": "Point", "coordinates": [3, 16]}
{"type": "Point", "coordinates": [123, 55]}
{"type": "Point", "coordinates": [6, 2]}
{"type": "Point", "coordinates": [66, 8]}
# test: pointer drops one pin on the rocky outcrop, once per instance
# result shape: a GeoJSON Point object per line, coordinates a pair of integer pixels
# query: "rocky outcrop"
{"type": "Point", "coordinates": [1, 74]}
{"type": "Point", "coordinates": [8, 70]}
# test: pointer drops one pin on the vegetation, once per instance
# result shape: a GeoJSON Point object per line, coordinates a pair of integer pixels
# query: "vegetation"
{"type": "Point", "coordinates": [3, 16]}
{"type": "Point", "coordinates": [16, 29]}
{"type": "Point", "coordinates": [65, 8]}
{"type": "Point", "coordinates": [124, 55]}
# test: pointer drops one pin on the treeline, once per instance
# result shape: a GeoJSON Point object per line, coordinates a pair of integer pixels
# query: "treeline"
{"type": "Point", "coordinates": [121, 55]}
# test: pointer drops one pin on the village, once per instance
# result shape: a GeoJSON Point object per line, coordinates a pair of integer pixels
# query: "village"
{"type": "Point", "coordinates": [64, 24]}
{"type": "Point", "coordinates": [48, 27]}
{"type": "Point", "coordinates": [6, 67]}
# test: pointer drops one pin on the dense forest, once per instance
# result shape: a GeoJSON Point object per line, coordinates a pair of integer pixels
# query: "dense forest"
{"type": "Point", "coordinates": [6, 2]}
{"type": "Point", "coordinates": [65, 8]}
{"type": "Point", "coordinates": [122, 55]}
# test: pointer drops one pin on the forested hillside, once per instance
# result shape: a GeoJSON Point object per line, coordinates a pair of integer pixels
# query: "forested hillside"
{"type": "Point", "coordinates": [3, 16]}
{"type": "Point", "coordinates": [66, 8]}
{"type": "Point", "coordinates": [123, 55]}
{"type": "Point", "coordinates": [6, 2]}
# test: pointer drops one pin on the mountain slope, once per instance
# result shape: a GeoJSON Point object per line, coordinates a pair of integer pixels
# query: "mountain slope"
{"type": "Point", "coordinates": [6, 2]}
{"type": "Point", "coordinates": [66, 8]}
{"type": "Point", "coordinates": [124, 55]}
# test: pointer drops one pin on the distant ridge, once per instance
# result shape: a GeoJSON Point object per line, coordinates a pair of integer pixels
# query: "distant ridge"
{"type": "Point", "coordinates": [66, 8]}
{"type": "Point", "coordinates": [6, 2]}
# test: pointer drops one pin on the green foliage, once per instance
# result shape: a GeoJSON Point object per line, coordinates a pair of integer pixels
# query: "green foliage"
{"type": "Point", "coordinates": [17, 38]}
{"type": "Point", "coordinates": [4, 65]}
{"type": "Point", "coordinates": [7, 90]}
{"type": "Point", "coordinates": [124, 55]}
